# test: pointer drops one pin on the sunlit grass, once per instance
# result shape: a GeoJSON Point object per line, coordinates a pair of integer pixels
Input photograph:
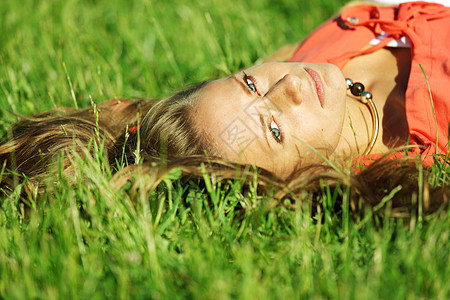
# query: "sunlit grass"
{"type": "Point", "coordinates": [84, 238]}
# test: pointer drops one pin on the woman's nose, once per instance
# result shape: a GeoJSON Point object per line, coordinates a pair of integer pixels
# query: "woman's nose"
{"type": "Point", "coordinates": [287, 88]}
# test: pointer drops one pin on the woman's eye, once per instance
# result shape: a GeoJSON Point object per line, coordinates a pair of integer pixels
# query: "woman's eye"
{"type": "Point", "coordinates": [275, 130]}
{"type": "Point", "coordinates": [250, 82]}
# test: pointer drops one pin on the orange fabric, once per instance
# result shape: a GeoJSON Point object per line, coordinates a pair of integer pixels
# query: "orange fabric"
{"type": "Point", "coordinates": [428, 27]}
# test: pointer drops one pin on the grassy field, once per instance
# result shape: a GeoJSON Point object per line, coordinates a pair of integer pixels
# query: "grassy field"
{"type": "Point", "coordinates": [88, 242]}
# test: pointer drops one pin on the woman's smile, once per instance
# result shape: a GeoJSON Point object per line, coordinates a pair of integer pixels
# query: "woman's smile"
{"type": "Point", "coordinates": [318, 85]}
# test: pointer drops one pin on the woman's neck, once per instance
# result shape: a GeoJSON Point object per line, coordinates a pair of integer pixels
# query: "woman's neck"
{"type": "Point", "coordinates": [385, 74]}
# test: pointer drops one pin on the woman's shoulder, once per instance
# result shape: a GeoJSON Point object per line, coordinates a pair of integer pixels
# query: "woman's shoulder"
{"type": "Point", "coordinates": [372, 2]}
{"type": "Point", "coordinates": [396, 2]}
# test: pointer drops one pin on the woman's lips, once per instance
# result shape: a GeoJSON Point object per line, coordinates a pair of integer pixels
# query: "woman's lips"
{"type": "Point", "coordinates": [318, 84]}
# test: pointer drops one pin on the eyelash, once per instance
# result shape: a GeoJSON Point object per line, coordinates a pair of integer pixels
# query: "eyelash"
{"type": "Point", "coordinates": [277, 139]}
{"type": "Point", "coordinates": [250, 80]}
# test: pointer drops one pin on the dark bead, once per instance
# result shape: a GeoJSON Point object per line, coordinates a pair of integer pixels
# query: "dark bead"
{"type": "Point", "coordinates": [357, 89]}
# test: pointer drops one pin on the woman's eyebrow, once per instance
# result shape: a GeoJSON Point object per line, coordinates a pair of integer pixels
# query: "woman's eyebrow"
{"type": "Point", "coordinates": [242, 85]}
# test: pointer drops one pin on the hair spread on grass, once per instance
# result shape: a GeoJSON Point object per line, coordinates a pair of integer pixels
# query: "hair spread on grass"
{"type": "Point", "coordinates": [392, 184]}
{"type": "Point", "coordinates": [160, 128]}
{"type": "Point", "coordinates": [151, 138]}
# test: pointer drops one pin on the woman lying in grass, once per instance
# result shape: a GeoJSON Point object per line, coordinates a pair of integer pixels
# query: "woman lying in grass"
{"type": "Point", "coordinates": [295, 111]}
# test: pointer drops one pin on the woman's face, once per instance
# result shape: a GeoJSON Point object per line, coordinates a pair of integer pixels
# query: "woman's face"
{"type": "Point", "coordinates": [271, 115]}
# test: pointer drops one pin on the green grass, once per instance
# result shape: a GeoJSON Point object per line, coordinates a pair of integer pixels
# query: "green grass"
{"type": "Point", "coordinates": [87, 241]}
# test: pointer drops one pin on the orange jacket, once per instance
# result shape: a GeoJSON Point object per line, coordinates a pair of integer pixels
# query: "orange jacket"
{"type": "Point", "coordinates": [428, 27]}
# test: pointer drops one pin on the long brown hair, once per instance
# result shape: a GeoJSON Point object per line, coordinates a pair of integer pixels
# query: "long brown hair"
{"type": "Point", "coordinates": [120, 125]}
{"type": "Point", "coordinates": [387, 184]}
{"type": "Point", "coordinates": [162, 132]}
